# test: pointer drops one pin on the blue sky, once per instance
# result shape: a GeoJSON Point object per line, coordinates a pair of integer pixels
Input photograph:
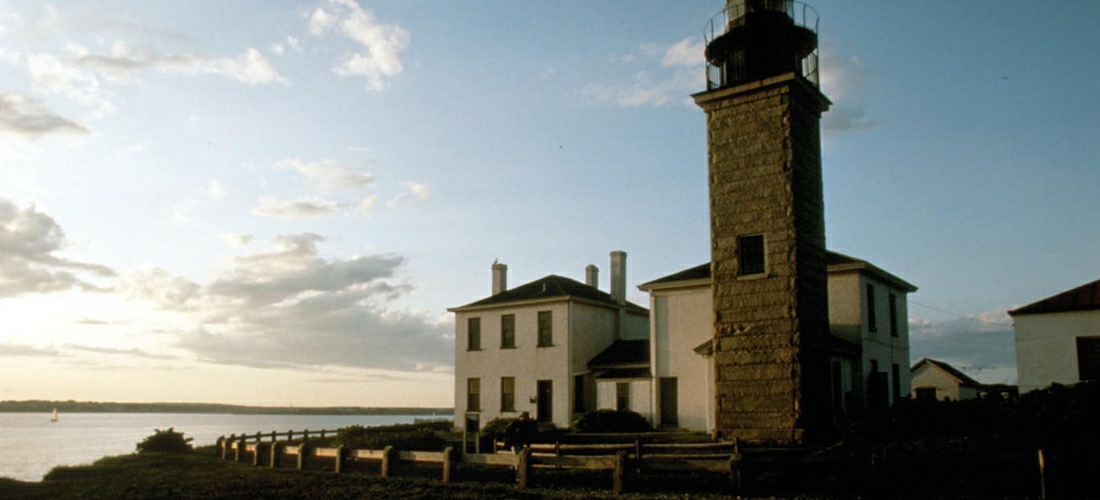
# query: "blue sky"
{"type": "Point", "coordinates": [268, 202]}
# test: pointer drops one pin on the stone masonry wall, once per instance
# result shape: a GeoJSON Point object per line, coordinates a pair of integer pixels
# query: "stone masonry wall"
{"type": "Point", "coordinates": [765, 178]}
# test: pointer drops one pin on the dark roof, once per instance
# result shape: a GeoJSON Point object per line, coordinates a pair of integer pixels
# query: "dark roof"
{"type": "Point", "coordinates": [701, 271]}
{"type": "Point", "coordinates": [622, 354]}
{"type": "Point", "coordinates": [1083, 298]}
{"type": "Point", "coordinates": [625, 373]}
{"type": "Point", "coordinates": [963, 378]}
{"type": "Point", "coordinates": [550, 287]}
{"type": "Point", "coordinates": [835, 261]}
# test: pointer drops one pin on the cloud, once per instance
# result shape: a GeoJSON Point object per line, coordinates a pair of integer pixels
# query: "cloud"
{"type": "Point", "coordinates": [366, 207]}
{"type": "Point", "coordinates": [327, 176]}
{"type": "Point", "coordinates": [237, 239]}
{"type": "Point", "coordinates": [291, 43]}
{"type": "Point", "coordinates": [983, 345]}
{"type": "Point", "coordinates": [381, 44]}
{"type": "Point", "coordinates": [25, 351]}
{"type": "Point", "coordinates": [250, 68]}
{"type": "Point", "coordinates": [414, 194]}
{"type": "Point", "coordinates": [301, 208]}
{"type": "Point", "coordinates": [29, 240]}
{"type": "Point", "coordinates": [845, 79]}
{"type": "Point", "coordinates": [133, 353]}
{"type": "Point", "coordinates": [159, 286]}
{"type": "Point", "coordinates": [23, 115]}
{"type": "Point", "coordinates": [215, 191]}
{"type": "Point", "coordinates": [669, 74]}
{"type": "Point", "coordinates": [289, 307]}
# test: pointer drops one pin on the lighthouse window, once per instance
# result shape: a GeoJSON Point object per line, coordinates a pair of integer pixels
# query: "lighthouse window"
{"type": "Point", "coordinates": [750, 255]}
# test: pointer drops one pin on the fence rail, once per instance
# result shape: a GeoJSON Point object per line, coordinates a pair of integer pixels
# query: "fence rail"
{"type": "Point", "coordinates": [614, 458]}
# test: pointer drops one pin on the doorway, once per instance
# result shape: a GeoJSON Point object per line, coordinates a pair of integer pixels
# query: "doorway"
{"type": "Point", "coordinates": [545, 395]}
{"type": "Point", "coordinates": [670, 412]}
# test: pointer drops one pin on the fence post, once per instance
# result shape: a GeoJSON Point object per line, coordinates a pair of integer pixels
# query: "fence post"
{"type": "Point", "coordinates": [735, 466]}
{"type": "Point", "coordinates": [322, 433]}
{"type": "Point", "coordinates": [302, 450]}
{"type": "Point", "coordinates": [256, 454]}
{"type": "Point", "coordinates": [387, 461]}
{"type": "Point", "coordinates": [523, 468]}
{"type": "Point", "coordinates": [272, 436]}
{"type": "Point", "coordinates": [276, 452]}
{"type": "Point", "coordinates": [618, 473]}
{"type": "Point", "coordinates": [305, 434]}
{"type": "Point", "coordinates": [447, 452]}
{"type": "Point", "coordinates": [1042, 476]}
{"type": "Point", "coordinates": [219, 448]}
{"type": "Point", "coordinates": [339, 467]}
{"type": "Point", "coordinates": [225, 447]}
{"type": "Point", "coordinates": [238, 451]}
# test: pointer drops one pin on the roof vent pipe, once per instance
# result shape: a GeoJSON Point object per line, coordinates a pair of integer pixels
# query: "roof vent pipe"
{"type": "Point", "coordinates": [618, 276]}
{"type": "Point", "coordinates": [500, 277]}
{"type": "Point", "coordinates": [592, 276]}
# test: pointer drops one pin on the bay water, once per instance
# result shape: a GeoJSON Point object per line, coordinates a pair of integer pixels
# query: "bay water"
{"type": "Point", "coordinates": [33, 444]}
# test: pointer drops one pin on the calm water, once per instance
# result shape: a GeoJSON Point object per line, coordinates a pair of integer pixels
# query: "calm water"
{"type": "Point", "coordinates": [33, 445]}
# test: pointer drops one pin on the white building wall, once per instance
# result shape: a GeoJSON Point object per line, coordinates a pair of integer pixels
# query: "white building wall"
{"type": "Point", "coordinates": [682, 320]}
{"type": "Point", "coordinates": [946, 386]}
{"type": "Point", "coordinates": [1046, 346]}
{"type": "Point", "coordinates": [640, 396]}
{"type": "Point", "coordinates": [879, 344]}
{"type": "Point", "coordinates": [527, 362]}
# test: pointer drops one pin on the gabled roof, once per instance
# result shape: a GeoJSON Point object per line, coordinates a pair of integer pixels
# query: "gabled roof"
{"type": "Point", "coordinates": [1083, 298]}
{"type": "Point", "coordinates": [836, 263]}
{"type": "Point", "coordinates": [622, 354]}
{"type": "Point", "coordinates": [552, 287]}
{"type": "Point", "coordinates": [951, 371]}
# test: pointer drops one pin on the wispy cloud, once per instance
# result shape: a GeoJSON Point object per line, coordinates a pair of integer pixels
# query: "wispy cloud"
{"type": "Point", "coordinates": [300, 208]}
{"type": "Point", "coordinates": [982, 345]}
{"type": "Point", "coordinates": [24, 351]}
{"type": "Point", "coordinates": [380, 44]}
{"type": "Point", "coordinates": [415, 194]}
{"type": "Point", "coordinates": [665, 74]}
{"type": "Point", "coordinates": [327, 176]}
{"type": "Point", "coordinates": [26, 116]}
{"type": "Point", "coordinates": [845, 79]}
{"type": "Point", "coordinates": [29, 242]}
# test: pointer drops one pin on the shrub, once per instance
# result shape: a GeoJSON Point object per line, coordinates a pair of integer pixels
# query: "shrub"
{"type": "Point", "coordinates": [168, 441]}
{"type": "Point", "coordinates": [611, 421]}
{"type": "Point", "coordinates": [496, 426]}
{"type": "Point", "coordinates": [403, 437]}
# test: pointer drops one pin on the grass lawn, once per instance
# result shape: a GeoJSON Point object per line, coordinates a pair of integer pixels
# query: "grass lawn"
{"type": "Point", "coordinates": [202, 476]}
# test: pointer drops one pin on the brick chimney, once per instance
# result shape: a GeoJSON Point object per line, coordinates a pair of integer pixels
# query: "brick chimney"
{"type": "Point", "coordinates": [500, 277]}
{"type": "Point", "coordinates": [618, 276]}
{"type": "Point", "coordinates": [592, 276]}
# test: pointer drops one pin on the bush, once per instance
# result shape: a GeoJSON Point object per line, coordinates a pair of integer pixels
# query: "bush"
{"type": "Point", "coordinates": [168, 441]}
{"type": "Point", "coordinates": [403, 437]}
{"type": "Point", "coordinates": [611, 421]}
{"type": "Point", "coordinates": [496, 426]}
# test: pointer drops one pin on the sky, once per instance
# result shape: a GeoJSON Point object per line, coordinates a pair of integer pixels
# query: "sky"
{"type": "Point", "coordinates": [275, 202]}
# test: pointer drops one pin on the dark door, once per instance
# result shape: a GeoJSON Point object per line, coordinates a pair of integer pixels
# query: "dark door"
{"type": "Point", "coordinates": [545, 408]}
{"type": "Point", "coordinates": [670, 412]}
{"type": "Point", "coordinates": [1088, 358]}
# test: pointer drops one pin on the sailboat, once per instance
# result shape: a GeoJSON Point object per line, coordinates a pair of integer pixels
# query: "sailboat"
{"type": "Point", "coordinates": [53, 416]}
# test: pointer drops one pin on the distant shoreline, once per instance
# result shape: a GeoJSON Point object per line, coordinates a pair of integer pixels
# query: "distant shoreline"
{"type": "Point", "coordinates": [37, 406]}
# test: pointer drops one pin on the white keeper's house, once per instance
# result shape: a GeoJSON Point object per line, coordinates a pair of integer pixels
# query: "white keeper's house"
{"type": "Point", "coordinates": [528, 348]}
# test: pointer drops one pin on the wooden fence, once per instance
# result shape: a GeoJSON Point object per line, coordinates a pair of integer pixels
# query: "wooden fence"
{"type": "Point", "coordinates": [617, 459]}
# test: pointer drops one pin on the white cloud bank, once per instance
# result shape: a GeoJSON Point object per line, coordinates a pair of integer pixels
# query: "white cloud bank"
{"type": "Point", "coordinates": [288, 307]}
{"type": "Point", "coordinates": [29, 242]}
{"type": "Point", "coordinates": [327, 176]}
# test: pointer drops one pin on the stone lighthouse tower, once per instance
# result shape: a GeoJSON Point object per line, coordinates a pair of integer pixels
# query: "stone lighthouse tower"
{"type": "Point", "coordinates": [763, 111]}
